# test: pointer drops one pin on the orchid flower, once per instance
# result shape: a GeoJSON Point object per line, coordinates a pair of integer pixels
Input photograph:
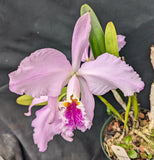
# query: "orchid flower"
{"type": "Point", "coordinates": [46, 71]}
{"type": "Point", "coordinates": [121, 43]}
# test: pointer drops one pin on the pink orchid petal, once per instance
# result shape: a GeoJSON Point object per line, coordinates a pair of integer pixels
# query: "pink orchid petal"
{"type": "Point", "coordinates": [47, 124]}
{"type": "Point", "coordinates": [121, 41]}
{"type": "Point", "coordinates": [67, 137]}
{"type": "Point", "coordinates": [34, 102]}
{"type": "Point", "coordinates": [85, 54]}
{"type": "Point", "coordinates": [43, 73]}
{"type": "Point", "coordinates": [73, 87]}
{"type": "Point", "coordinates": [87, 100]}
{"type": "Point", "coordinates": [108, 72]}
{"type": "Point", "coordinates": [91, 55]}
{"type": "Point", "coordinates": [80, 39]}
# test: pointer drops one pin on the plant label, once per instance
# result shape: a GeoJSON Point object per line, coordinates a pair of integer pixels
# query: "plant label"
{"type": "Point", "coordinates": [120, 152]}
{"type": "Point", "coordinates": [1, 158]}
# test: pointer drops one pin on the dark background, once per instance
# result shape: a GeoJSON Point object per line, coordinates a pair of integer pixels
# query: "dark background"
{"type": "Point", "coordinates": [27, 25]}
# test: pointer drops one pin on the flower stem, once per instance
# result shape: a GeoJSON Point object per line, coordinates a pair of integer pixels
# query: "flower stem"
{"type": "Point", "coordinates": [135, 105]}
{"type": "Point", "coordinates": [111, 107]}
{"type": "Point", "coordinates": [127, 112]}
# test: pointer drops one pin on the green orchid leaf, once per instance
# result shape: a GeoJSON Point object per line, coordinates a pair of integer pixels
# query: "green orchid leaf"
{"type": "Point", "coordinates": [26, 100]}
{"type": "Point", "coordinates": [96, 39]}
{"type": "Point", "coordinates": [127, 139]}
{"type": "Point", "coordinates": [111, 43]}
{"type": "Point", "coordinates": [132, 154]}
{"type": "Point", "coordinates": [122, 145]}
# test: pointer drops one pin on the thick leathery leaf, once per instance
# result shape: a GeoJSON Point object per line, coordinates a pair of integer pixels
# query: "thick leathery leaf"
{"type": "Point", "coordinates": [111, 43]}
{"type": "Point", "coordinates": [96, 39]}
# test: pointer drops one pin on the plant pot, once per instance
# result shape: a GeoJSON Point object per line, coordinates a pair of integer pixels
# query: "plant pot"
{"type": "Point", "coordinates": [107, 122]}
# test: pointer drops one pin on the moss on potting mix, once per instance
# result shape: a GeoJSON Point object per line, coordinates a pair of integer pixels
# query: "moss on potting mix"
{"type": "Point", "coordinates": [66, 90]}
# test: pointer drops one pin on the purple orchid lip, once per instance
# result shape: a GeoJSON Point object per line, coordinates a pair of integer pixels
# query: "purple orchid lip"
{"type": "Point", "coordinates": [97, 77]}
{"type": "Point", "coordinates": [74, 115]}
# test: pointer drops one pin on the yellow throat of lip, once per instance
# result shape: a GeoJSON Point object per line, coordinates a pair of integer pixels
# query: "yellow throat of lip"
{"type": "Point", "coordinates": [71, 100]}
